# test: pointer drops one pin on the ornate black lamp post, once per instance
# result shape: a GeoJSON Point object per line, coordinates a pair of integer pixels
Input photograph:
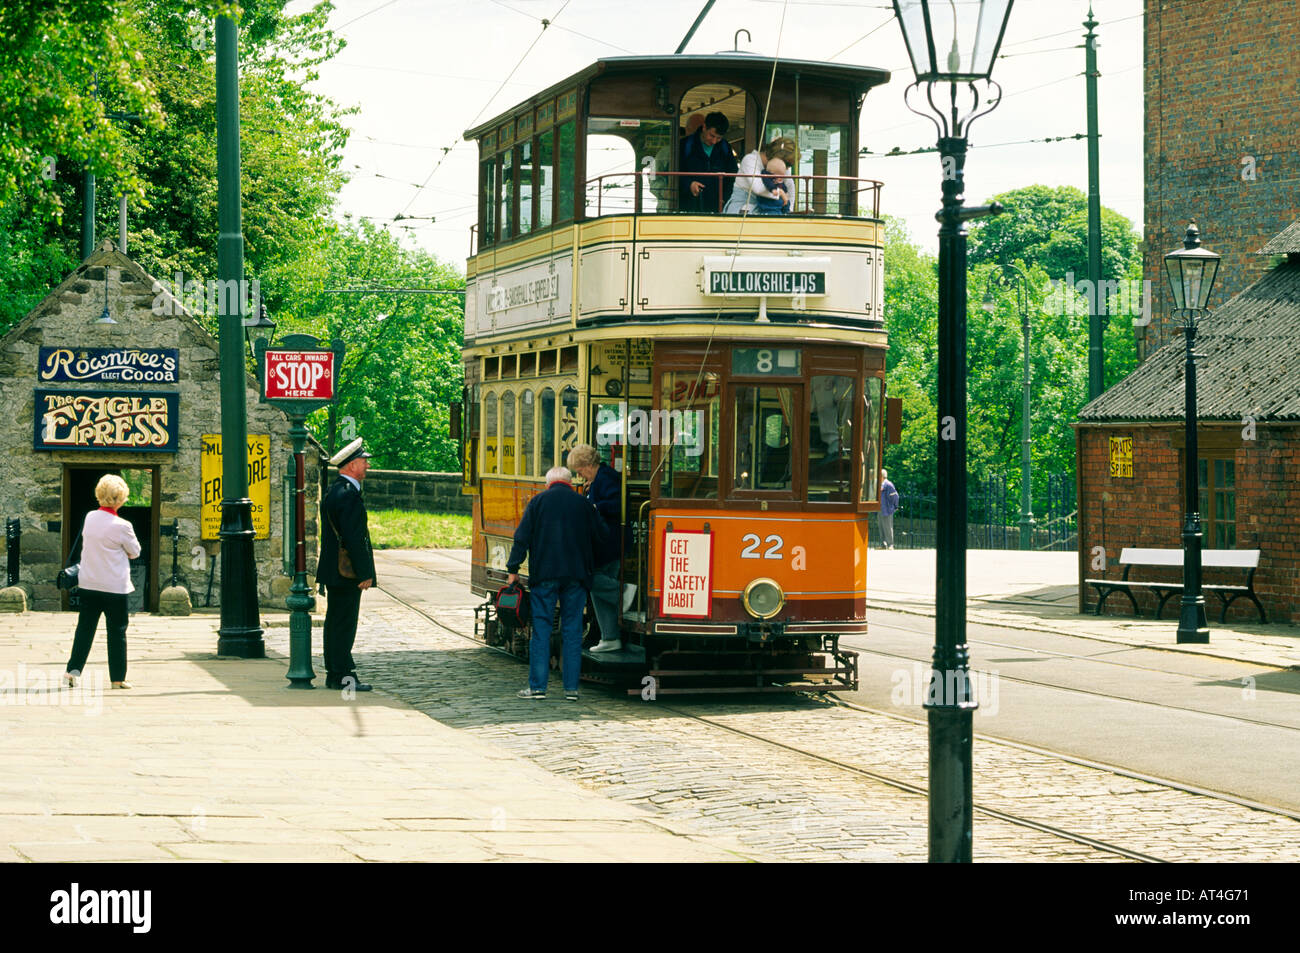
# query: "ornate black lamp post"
{"type": "Point", "coordinates": [1191, 270]}
{"type": "Point", "coordinates": [953, 44]}
{"type": "Point", "coordinates": [1014, 276]}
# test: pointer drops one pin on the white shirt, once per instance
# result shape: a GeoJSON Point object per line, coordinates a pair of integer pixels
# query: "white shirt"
{"type": "Point", "coordinates": [108, 544]}
{"type": "Point", "coordinates": [751, 178]}
{"type": "Point", "coordinates": [355, 483]}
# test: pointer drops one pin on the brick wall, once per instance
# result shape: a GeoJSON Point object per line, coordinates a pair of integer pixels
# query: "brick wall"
{"type": "Point", "coordinates": [415, 491]}
{"type": "Point", "coordinates": [1147, 510]}
{"type": "Point", "coordinates": [1221, 85]}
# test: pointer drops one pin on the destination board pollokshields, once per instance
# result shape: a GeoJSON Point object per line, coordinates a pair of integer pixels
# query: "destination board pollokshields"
{"type": "Point", "coordinates": [778, 283]}
{"type": "Point", "coordinates": [687, 575]}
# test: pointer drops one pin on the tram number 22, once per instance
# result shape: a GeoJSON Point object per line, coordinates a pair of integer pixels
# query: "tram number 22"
{"type": "Point", "coordinates": [773, 551]}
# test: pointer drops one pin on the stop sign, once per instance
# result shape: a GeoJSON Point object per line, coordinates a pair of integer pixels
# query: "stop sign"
{"type": "Point", "coordinates": [299, 375]}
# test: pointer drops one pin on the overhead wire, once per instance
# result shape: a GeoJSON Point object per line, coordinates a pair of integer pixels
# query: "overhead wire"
{"type": "Point", "coordinates": [446, 150]}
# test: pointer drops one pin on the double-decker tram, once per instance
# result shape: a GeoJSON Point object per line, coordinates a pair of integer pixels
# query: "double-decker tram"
{"type": "Point", "coordinates": [729, 366]}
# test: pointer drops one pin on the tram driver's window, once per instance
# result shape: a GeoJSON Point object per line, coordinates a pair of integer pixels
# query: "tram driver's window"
{"type": "Point", "coordinates": [830, 439]}
{"type": "Point", "coordinates": [762, 449]}
{"type": "Point", "coordinates": [685, 429]}
{"type": "Point", "coordinates": [624, 157]}
{"type": "Point", "coordinates": [872, 406]}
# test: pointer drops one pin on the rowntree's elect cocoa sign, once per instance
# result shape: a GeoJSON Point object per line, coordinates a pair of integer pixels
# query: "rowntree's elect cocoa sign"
{"type": "Point", "coordinates": [299, 375]}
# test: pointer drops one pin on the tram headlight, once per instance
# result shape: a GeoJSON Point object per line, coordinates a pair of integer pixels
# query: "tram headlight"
{"type": "Point", "coordinates": [763, 598]}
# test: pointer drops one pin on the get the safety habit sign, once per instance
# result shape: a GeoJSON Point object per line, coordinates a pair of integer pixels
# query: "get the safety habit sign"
{"type": "Point", "coordinates": [687, 574]}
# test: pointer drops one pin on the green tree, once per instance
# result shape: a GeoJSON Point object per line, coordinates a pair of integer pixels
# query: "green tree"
{"type": "Point", "coordinates": [403, 366]}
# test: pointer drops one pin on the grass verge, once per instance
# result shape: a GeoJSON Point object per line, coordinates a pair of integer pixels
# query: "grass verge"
{"type": "Point", "coordinates": [398, 529]}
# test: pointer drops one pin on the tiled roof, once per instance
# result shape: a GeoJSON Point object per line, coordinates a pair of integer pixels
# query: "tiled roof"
{"type": "Point", "coordinates": [1285, 242]}
{"type": "Point", "coordinates": [1251, 362]}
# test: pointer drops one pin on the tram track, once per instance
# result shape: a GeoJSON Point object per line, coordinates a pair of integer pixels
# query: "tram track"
{"type": "Point", "coordinates": [907, 786]}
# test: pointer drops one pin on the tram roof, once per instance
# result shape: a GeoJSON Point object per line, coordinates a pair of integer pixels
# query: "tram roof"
{"type": "Point", "coordinates": [726, 64]}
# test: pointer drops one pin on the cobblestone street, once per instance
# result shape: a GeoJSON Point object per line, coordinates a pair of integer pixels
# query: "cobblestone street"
{"type": "Point", "coordinates": [782, 803]}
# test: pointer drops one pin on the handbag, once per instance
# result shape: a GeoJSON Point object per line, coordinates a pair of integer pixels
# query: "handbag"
{"type": "Point", "coordinates": [67, 577]}
{"type": "Point", "coordinates": [513, 605]}
{"type": "Point", "coordinates": [346, 569]}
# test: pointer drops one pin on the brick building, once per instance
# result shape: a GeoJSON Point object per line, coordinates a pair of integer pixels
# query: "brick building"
{"type": "Point", "coordinates": [140, 397]}
{"type": "Point", "coordinates": [1130, 440]}
{"type": "Point", "coordinates": [1221, 82]}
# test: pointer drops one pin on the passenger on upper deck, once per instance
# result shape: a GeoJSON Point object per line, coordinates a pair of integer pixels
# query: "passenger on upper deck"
{"type": "Point", "coordinates": [707, 151]}
{"type": "Point", "coordinates": [749, 183]}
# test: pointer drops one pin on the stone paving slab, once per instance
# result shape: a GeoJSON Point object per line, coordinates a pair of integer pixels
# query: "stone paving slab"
{"type": "Point", "coordinates": [1040, 591]}
{"type": "Point", "coordinates": [211, 760]}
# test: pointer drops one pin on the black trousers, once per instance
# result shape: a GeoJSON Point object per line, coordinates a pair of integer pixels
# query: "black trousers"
{"type": "Point", "coordinates": [341, 611]}
{"type": "Point", "coordinates": [112, 605]}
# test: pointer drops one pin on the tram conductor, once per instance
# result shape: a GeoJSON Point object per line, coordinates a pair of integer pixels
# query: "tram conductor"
{"type": "Point", "coordinates": [347, 564]}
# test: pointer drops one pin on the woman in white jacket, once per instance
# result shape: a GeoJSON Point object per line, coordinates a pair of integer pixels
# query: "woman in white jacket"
{"type": "Point", "coordinates": [749, 182]}
{"type": "Point", "coordinates": [108, 545]}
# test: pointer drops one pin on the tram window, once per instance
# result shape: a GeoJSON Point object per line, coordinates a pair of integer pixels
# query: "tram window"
{"type": "Point", "coordinates": [568, 360]}
{"type": "Point", "coordinates": [617, 149]}
{"type": "Point", "coordinates": [546, 431]}
{"type": "Point", "coordinates": [527, 182]}
{"type": "Point", "coordinates": [685, 426]}
{"type": "Point", "coordinates": [488, 229]}
{"type": "Point", "coordinates": [545, 177]}
{"type": "Point", "coordinates": [831, 444]}
{"type": "Point", "coordinates": [506, 195]}
{"type": "Point", "coordinates": [491, 368]}
{"type": "Point", "coordinates": [872, 409]}
{"type": "Point", "coordinates": [546, 362]}
{"type": "Point", "coordinates": [527, 364]}
{"type": "Point", "coordinates": [762, 448]}
{"type": "Point", "coordinates": [568, 421]}
{"type": "Point", "coordinates": [611, 429]}
{"type": "Point", "coordinates": [565, 171]}
{"type": "Point", "coordinates": [508, 443]}
{"type": "Point", "coordinates": [527, 465]}
{"type": "Point", "coordinates": [490, 434]}
{"type": "Point", "coordinates": [823, 151]}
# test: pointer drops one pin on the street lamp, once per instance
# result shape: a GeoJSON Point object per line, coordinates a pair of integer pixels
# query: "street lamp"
{"type": "Point", "coordinates": [953, 44]}
{"type": "Point", "coordinates": [1014, 276]}
{"type": "Point", "coordinates": [1191, 270]}
{"type": "Point", "coordinates": [262, 328]}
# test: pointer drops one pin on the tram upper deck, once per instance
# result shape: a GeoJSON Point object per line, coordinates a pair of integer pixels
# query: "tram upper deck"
{"type": "Point", "coordinates": [581, 221]}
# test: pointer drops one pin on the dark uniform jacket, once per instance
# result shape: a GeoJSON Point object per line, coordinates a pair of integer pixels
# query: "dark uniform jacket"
{"type": "Point", "coordinates": [344, 509]}
{"type": "Point", "coordinates": [558, 535]}
{"type": "Point", "coordinates": [605, 494]}
{"type": "Point", "coordinates": [695, 159]}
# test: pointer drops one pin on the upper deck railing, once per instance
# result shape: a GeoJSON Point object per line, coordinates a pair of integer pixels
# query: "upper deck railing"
{"type": "Point", "coordinates": [659, 193]}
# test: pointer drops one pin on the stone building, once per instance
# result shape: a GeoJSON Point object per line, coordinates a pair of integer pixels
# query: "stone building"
{"type": "Point", "coordinates": [1130, 444]}
{"type": "Point", "coordinates": [140, 397]}
{"type": "Point", "coordinates": [1220, 141]}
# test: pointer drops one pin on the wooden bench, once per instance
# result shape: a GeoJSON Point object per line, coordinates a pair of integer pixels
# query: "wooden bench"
{"type": "Point", "coordinates": [1244, 559]}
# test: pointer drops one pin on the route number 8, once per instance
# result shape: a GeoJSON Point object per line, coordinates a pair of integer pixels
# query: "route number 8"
{"type": "Point", "coordinates": [773, 551]}
{"type": "Point", "coordinates": [764, 362]}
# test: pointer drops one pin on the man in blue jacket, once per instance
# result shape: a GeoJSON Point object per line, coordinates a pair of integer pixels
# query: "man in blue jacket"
{"type": "Point", "coordinates": [707, 151]}
{"type": "Point", "coordinates": [604, 491]}
{"type": "Point", "coordinates": [558, 535]}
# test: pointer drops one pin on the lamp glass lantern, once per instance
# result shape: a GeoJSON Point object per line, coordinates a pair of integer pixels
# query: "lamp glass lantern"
{"type": "Point", "coordinates": [952, 41]}
{"type": "Point", "coordinates": [1191, 271]}
{"type": "Point", "coordinates": [261, 329]}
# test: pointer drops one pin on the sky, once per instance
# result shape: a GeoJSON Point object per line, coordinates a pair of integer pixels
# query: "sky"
{"type": "Point", "coordinates": [420, 72]}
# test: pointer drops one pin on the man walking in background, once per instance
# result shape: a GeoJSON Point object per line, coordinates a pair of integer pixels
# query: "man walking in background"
{"type": "Point", "coordinates": [888, 507]}
{"type": "Point", "coordinates": [558, 535]}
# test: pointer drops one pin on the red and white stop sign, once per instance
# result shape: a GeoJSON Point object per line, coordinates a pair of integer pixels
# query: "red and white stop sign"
{"type": "Point", "coordinates": [299, 375]}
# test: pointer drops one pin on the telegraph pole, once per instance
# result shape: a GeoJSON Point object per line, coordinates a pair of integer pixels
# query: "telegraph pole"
{"type": "Point", "coordinates": [1097, 308]}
